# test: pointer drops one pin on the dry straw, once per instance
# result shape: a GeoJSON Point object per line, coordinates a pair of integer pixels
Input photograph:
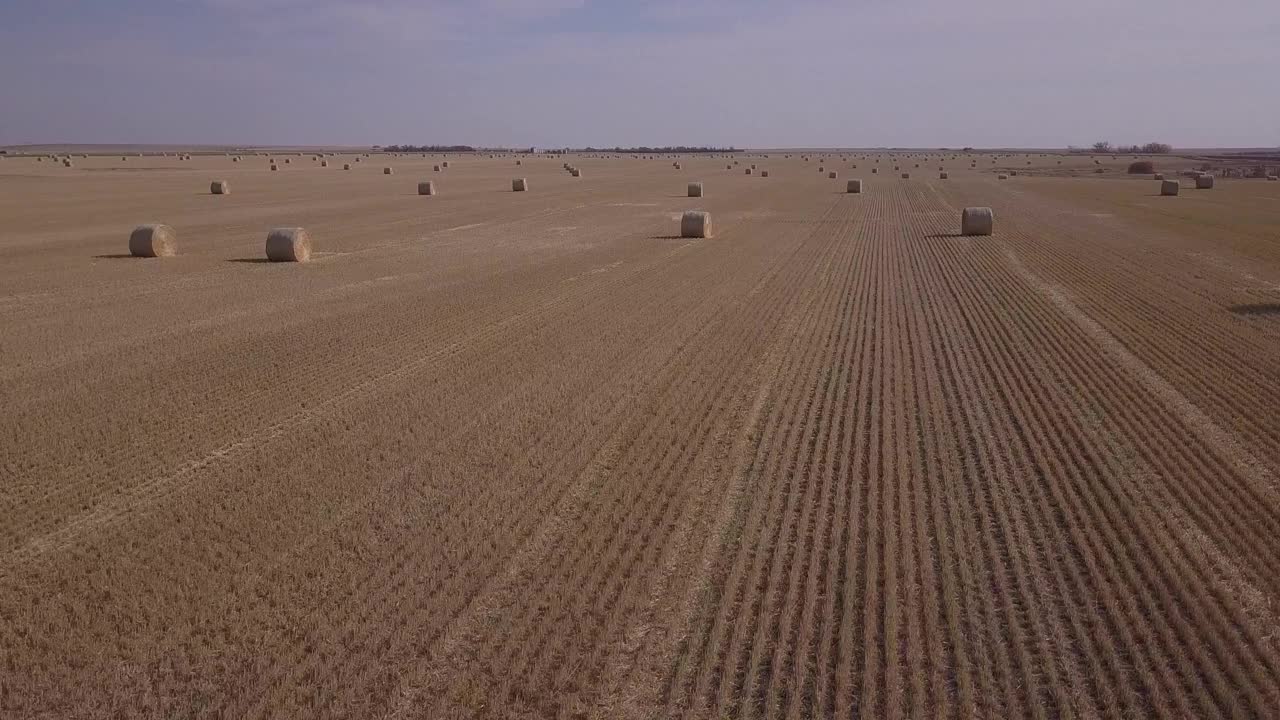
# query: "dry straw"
{"type": "Point", "coordinates": [153, 240]}
{"type": "Point", "coordinates": [289, 245]}
{"type": "Point", "coordinates": [696, 224]}
{"type": "Point", "coordinates": [976, 221]}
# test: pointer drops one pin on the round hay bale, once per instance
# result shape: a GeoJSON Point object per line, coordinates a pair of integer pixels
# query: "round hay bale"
{"type": "Point", "coordinates": [519, 163]}
{"type": "Point", "coordinates": [1204, 182]}
{"type": "Point", "coordinates": [875, 171]}
{"type": "Point", "coordinates": [1169, 187]}
{"type": "Point", "coordinates": [426, 187]}
{"type": "Point", "coordinates": [976, 221]}
{"type": "Point", "coordinates": [1002, 176]}
{"type": "Point", "coordinates": [153, 240]}
{"type": "Point", "coordinates": [1273, 178]}
{"type": "Point", "coordinates": [287, 161]}
{"type": "Point", "coordinates": [696, 224]}
{"type": "Point", "coordinates": [220, 187]}
{"type": "Point", "coordinates": [764, 173]}
{"type": "Point", "coordinates": [695, 189]}
{"type": "Point", "coordinates": [746, 171]}
{"type": "Point", "coordinates": [906, 176]}
{"type": "Point", "coordinates": [436, 168]}
{"type": "Point", "coordinates": [274, 167]}
{"type": "Point", "coordinates": [943, 176]}
{"type": "Point", "coordinates": [388, 171]}
{"type": "Point", "coordinates": [346, 166]}
{"type": "Point", "coordinates": [576, 172]}
{"type": "Point", "coordinates": [854, 187]}
{"type": "Point", "coordinates": [444, 164]}
{"type": "Point", "coordinates": [289, 245]}
{"type": "Point", "coordinates": [1099, 171]}
{"type": "Point", "coordinates": [324, 163]}
{"type": "Point", "coordinates": [1158, 176]}
{"type": "Point", "coordinates": [833, 175]}
{"type": "Point", "coordinates": [519, 185]}
{"type": "Point", "coordinates": [235, 159]}
{"type": "Point", "coordinates": [1013, 173]}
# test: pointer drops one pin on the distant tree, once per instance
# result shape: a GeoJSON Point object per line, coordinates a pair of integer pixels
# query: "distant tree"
{"type": "Point", "coordinates": [1156, 148]}
{"type": "Point", "coordinates": [1102, 147]}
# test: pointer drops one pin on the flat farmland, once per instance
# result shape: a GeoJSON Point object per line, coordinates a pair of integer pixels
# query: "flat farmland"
{"type": "Point", "coordinates": [524, 455]}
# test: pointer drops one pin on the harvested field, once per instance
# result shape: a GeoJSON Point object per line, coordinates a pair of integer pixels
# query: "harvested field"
{"type": "Point", "coordinates": [534, 454]}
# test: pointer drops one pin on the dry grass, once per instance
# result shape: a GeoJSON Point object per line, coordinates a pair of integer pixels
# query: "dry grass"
{"type": "Point", "coordinates": [497, 455]}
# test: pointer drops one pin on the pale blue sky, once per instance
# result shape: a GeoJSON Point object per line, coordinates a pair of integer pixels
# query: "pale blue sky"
{"type": "Point", "coordinates": [750, 73]}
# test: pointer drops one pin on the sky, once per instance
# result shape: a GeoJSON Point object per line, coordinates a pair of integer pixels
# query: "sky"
{"type": "Point", "coordinates": [554, 73]}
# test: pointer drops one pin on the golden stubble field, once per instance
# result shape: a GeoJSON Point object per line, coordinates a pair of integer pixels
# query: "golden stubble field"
{"type": "Point", "coordinates": [533, 455]}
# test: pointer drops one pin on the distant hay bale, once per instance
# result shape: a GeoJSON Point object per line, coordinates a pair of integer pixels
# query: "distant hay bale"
{"type": "Point", "coordinates": [346, 166]}
{"type": "Point", "coordinates": [833, 175]}
{"type": "Point", "coordinates": [746, 171]}
{"type": "Point", "coordinates": [976, 221]}
{"type": "Point", "coordinates": [1273, 178]}
{"type": "Point", "coordinates": [764, 173]}
{"type": "Point", "coordinates": [1204, 182]}
{"type": "Point", "coordinates": [875, 171]}
{"type": "Point", "coordinates": [1002, 176]}
{"type": "Point", "coordinates": [235, 159]}
{"type": "Point", "coordinates": [274, 167]}
{"type": "Point", "coordinates": [436, 168]}
{"type": "Point", "coordinates": [854, 187]}
{"type": "Point", "coordinates": [289, 245]}
{"type": "Point", "coordinates": [1013, 173]}
{"type": "Point", "coordinates": [821, 169]}
{"type": "Point", "coordinates": [1169, 187]}
{"type": "Point", "coordinates": [906, 176]}
{"type": "Point", "coordinates": [220, 187]}
{"type": "Point", "coordinates": [426, 187]}
{"type": "Point", "coordinates": [942, 176]}
{"type": "Point", "coordinates": [519, 185]}
{"type": "Point", "coordinates": [728, 167]}
{"type": "Point", "coordinates": [153, 240]}
{"type": "Point", "coordinates": [695, 189]}
{"type": "Point", "coordinates": [67, 163]}
{"type": "Point", "coordinates": [518, 162]}
{"type": "Point", "coordinates": [1159, 176]}
{"type": "Point", "coordinates": [676, 165]}
{"type": "Point", "coordinates": [324, 163]}
{"type": "Point", "coordinates": [388, 171]}
{"type": "Point", "coordinates": [576, 172]}
{"type": "Point", "coordinates": [1098, 171]}
{"type": "Point", "coordinates": [287, 161]}
{"type": "Point", "coordinates": [696, 224]}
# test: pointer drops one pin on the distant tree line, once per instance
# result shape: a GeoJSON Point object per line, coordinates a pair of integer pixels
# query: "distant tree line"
{"type": "Point", "coordinates": [1151, 148]}
{"type": "Point", "coordinates": [429, 148]}
{"type": "Point", "coordinates": [645, 150]}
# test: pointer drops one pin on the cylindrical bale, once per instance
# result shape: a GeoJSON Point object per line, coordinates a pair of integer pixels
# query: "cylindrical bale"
{"type": "Point", "coordinates": [854, 187]}
{"type": "Point", "coordinates": [1169, 187]}
{"type": "Point", "coordinates": [220, 187]}
{"type": "Point", "coordinates": [1159, 176]}
{"type": "Point", "coordinates": [426, 187]}
{"type": "Point", "coordinates": [764, 173]}
{"type": "Point", "coordinates": [388, 171]}
{"type": "Point", "coordinates": [436, 168]}
{"type": "Point", "coordinates": [275, 168]}
{"type": "Point", "coordinates": [519, 185]}
{"type": "Point", "coordinates": [444, 164]}
{"type": "Point", "coordinates": [1204, 182]}
{"type": "Point", "coordinates": [976, 221]}
{"type": "Point", "coordinates": [746, 171]}
{"type": "Point", "coordinates": [346, 166]}
{"type": "Point", "coordinates": [875, 171]}
{"type": "Point", "coordinates": [153, 240]}
{"type": "Point", "coordinates": [695, 189]}
{"type": "Point", "coordinates": [287, 161]}
{"type": "Point", "coordinates": [906, 176]}
{"type": "Point", "coordinates": [943, 176]}
{"type": "Point", "coordinates": [1002, 176]}
{"type": "Point", "coordinates": [576, 172]}
{"type": "Point", "coordinates": [833, 175]}
{"type": "Point", "coordinates": [519, 162]}
{"type": "Point", "coordinates": [696, 224]}
{"type": "Point", "coordinates": [289, 245]}
{"type": "Point", "coordinates": [324, 163]}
